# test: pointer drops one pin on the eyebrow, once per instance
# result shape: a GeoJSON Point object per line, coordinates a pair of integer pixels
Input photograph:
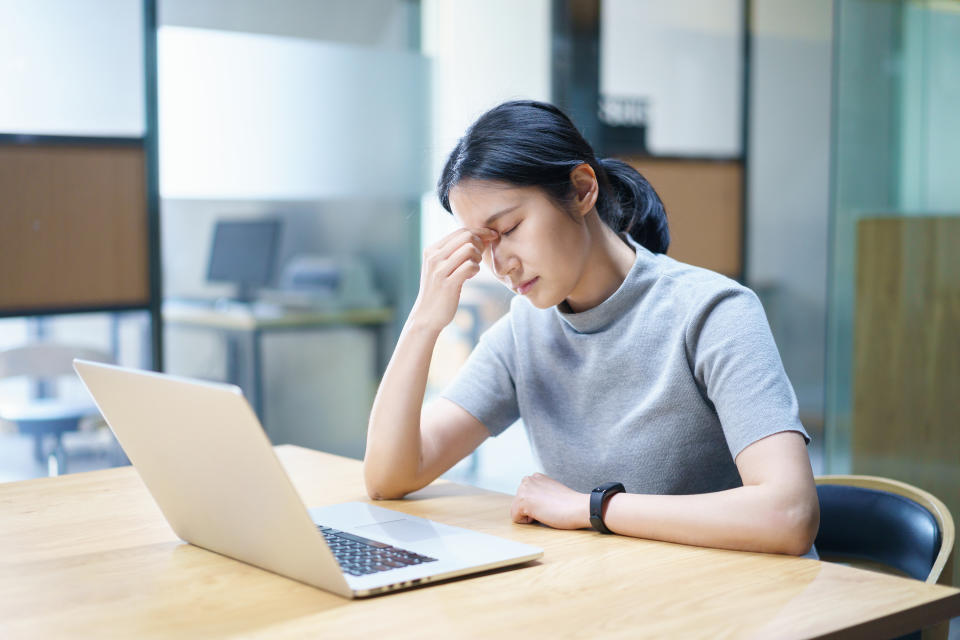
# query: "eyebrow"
{"type": "Point", "coordinates": [499, 214]}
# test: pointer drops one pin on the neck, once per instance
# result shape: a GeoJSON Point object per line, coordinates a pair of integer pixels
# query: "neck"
{"type": "Point", "coordinates": [609, 259]}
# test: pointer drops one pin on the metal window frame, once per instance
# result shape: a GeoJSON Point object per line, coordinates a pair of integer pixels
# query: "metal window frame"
{"type": "Point", "coordinates": [575, 88]}
{"type": "Point", "coordinates": [150, 144]}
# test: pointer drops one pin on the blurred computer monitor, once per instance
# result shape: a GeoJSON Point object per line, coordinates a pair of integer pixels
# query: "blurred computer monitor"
{"type": "Point", "coordinates": [244, 253]}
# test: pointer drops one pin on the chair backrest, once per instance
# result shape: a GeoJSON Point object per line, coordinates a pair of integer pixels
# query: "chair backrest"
{"type": "Point", "coordinates": [887, 522]}
{"type": "Point", "coordinates": [46, 360]}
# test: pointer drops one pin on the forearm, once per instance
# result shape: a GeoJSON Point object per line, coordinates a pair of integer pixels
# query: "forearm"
{"type": "Point", "coordinates": [749, 518]}
{"type": "Point", "coordinates": [393, 456]}
{"type": "Point", "coordinates": [393, 464]}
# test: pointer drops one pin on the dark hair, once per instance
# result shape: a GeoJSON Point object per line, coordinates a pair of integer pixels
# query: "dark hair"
{"type": "Point", "coordinates": [528, 143]}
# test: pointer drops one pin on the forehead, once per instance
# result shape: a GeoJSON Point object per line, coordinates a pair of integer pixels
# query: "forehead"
{"type": "Point", "coordinates": [473, 201]}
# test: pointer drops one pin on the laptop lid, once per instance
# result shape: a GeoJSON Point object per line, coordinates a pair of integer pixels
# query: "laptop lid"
{"type": "Point", "coordinates": [204, 457]}
{"type": "Point", "coordinates": [202, 454]}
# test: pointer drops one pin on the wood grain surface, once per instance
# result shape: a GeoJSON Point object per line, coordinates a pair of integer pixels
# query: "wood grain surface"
{"type": "Point", "coordinates": [906, 365]}
{"type": "Point", "coordinates": [704, 204]}
{"type": "Point", "coordinates": [89, 555]}
{"type": "Point", "coordinates": [73, 227]}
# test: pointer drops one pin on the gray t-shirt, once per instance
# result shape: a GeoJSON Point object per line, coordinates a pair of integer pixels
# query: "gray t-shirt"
{"type": "Point", "coordinates": [658, 387]}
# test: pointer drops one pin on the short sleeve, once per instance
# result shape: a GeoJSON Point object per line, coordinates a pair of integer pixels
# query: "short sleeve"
{"type": "Point", "coordinates": [737, 365]}
{"type": "Point", "coordinates": [485, 385]}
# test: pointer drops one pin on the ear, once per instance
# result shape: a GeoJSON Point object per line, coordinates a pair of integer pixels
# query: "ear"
{"type": "Point", "coordinates": [586, 189]}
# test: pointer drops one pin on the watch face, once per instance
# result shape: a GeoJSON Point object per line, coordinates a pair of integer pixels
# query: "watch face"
{"type": "Point", "coordinates": [608, 486]}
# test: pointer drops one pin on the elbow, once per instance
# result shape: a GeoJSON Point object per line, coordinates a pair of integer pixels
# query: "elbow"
{"type": "Point", "coordinates": [799, 525]}
{"type": "Point", "coordinates": [373, 491]}
{"type": "Point", "coordinates": [378, 488]}
{"type": "Point", "coordinates": [376, 493]}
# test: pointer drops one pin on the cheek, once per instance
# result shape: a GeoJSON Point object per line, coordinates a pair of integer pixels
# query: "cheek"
{"type": "Point", "coordinates": [568, 245]}
{"type": "Point", "coordinates": [569, 253]}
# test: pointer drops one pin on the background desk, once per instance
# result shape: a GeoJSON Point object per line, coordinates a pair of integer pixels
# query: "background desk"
{"type": "Point", "coordinates": [90, 555]}
{"type": "Point", "coordinates": [310, 375]}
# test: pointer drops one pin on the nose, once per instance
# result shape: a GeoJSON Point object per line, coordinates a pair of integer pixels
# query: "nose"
{"type": "Point", "coordinates": [502, 262]}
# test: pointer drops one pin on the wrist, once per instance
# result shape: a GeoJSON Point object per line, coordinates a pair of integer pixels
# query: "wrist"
{"type": "Point", "coordinates": [422, 324]}
{"type": "Point", "coordinates": [606, 509]}
{"type": "Point", "coordinates": [583, 511]}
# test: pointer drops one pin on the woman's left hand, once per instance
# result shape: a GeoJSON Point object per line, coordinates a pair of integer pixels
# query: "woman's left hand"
{"type": "Point", "coordinates": [543, 499]}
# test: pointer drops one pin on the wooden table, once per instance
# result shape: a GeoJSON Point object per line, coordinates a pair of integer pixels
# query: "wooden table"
{"type": "Point", "coordinates": [90, 555]}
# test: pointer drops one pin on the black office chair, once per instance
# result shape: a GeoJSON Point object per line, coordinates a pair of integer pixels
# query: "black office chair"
{"type": "Point", "coordinates": [886, 525]}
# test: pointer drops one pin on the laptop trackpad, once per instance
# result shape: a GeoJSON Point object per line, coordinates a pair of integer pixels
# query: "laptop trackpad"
{"type": "Point", "coordinates": [402, 530]}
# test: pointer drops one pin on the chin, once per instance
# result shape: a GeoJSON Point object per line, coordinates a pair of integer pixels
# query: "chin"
{"type": "Point", "coordinates": [544, 302]}
{"type": "Point", "coordinates": [541, 305]}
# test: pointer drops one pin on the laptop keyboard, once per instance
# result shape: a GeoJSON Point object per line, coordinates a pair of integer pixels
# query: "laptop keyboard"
{"type": "Point", "coordinates": [361, 556]}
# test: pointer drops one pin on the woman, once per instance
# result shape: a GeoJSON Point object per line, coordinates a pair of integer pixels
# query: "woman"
{"type": "Point", "coordinates": [625, 365]}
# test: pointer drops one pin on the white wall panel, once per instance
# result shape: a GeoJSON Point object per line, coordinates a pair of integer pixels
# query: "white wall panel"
{"type": "Point", "coordinates": [685, 58]}
{"type": "Point", "coordinates": [72, 68]}
{"type": "Point", "coordinates": [267, 117]}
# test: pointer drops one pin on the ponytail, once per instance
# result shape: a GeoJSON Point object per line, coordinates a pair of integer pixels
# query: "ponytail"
{"type": "Point", "coordinates": [528, 143]}
{"type": "Point", "coordinates": [635, 207]}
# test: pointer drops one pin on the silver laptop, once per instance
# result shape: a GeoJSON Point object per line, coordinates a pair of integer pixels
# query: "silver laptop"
{"type": "Point", "coordinates": [208, 463]}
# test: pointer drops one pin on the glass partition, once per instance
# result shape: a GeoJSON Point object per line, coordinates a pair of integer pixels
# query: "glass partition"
{"type": "Point", "coordinates": [894, 279]}
{"type": "Point", "coordinates": [271, 114]}
{"type": "Point", "coordinates": [75, 233]}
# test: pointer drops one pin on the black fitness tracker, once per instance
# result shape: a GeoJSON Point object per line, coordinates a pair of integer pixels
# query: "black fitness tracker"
{"type": "Point", "coordinates": [598, 498]}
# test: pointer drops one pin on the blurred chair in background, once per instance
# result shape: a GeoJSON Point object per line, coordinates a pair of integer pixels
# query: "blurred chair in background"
{"type": "Point", "coordinates": [889, 526]}
{"type": "Point", "coordinates": [46, 414]}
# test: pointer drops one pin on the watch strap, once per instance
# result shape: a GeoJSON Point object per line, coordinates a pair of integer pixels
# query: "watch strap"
{"type": "Point", "coordinates": [598, 498]}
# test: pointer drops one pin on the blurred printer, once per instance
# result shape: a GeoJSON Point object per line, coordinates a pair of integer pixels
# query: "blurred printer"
{"type": "Point", "coordinates": [318, 282]}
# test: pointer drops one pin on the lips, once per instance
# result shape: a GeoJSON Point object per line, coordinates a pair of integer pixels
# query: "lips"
{"type": "Point", "coordinates": [526, 286]}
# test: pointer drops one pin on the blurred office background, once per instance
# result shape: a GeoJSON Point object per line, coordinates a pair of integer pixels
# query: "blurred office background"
{"type": "Point", "coordinates": [809, 148]}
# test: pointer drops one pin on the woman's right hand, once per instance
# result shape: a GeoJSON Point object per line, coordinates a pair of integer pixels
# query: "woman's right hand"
{"type": "Point", "coordinates": [447, 264]}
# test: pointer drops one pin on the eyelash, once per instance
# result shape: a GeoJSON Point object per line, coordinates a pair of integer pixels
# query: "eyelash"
{"type": "Point", "coordinates": [511, 230]}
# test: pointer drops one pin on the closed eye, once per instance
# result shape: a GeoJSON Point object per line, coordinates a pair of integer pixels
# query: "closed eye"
{"type": "Point", "coordinates": [510, 230]}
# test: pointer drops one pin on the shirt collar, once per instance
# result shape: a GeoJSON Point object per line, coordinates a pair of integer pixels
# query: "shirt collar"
{"type": "Point", "coordinates": [601, 316]}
